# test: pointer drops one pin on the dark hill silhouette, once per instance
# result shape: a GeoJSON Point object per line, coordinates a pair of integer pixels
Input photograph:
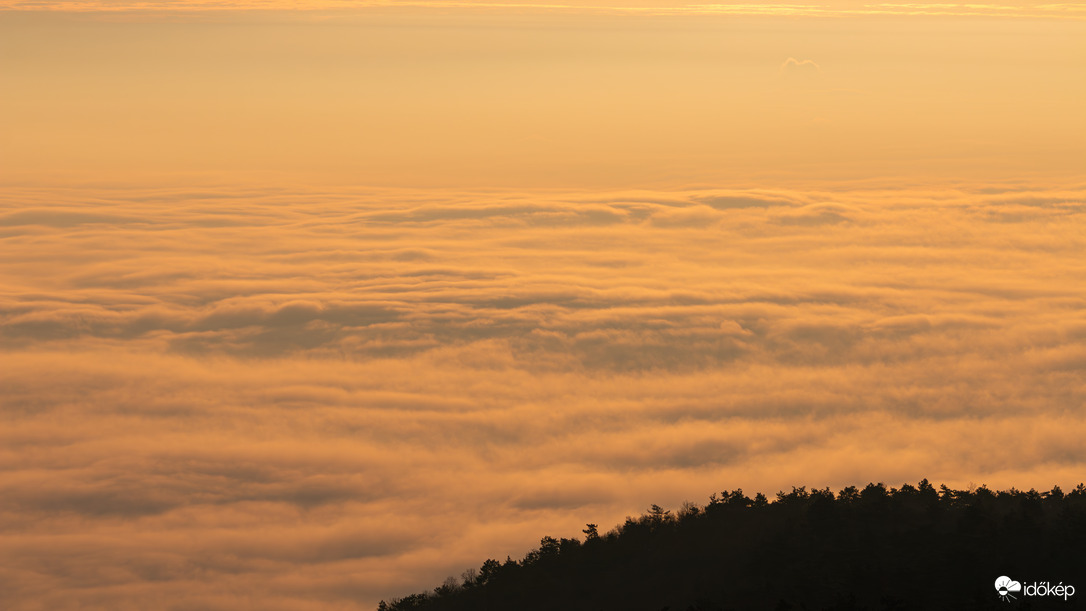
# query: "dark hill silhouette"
{"type": "Point", "coordinates": [912, 547]}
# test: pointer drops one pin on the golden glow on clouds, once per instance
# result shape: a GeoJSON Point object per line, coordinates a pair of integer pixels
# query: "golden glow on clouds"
{"type": "Point", "coordinates": [282, 398]}
{"type": "Point", "coordinates": [305, 309]}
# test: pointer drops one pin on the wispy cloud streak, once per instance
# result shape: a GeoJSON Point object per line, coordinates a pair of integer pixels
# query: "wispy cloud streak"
{"type": "Point", "coordinates": [823, 8]}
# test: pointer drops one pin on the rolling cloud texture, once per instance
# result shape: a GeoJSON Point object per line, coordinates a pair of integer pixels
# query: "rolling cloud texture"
{"type": "Point", "coordinates": [276, 399]}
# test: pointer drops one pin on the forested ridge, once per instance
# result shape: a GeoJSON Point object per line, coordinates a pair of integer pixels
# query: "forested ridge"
{"type": "Point", "coordinates": [913, 547]}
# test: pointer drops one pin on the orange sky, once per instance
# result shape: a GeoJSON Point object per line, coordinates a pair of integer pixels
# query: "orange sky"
{"type": "Point", "coordinates": [1009, 8]}
{"type": "Point", "coordinates": [484, 98]}
{"type": "Point", "coordinates": [302, 309]}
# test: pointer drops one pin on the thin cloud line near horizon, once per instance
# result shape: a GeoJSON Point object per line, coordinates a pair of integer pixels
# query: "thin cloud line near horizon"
{"type": "Point", "coordinates": [1061, 11]}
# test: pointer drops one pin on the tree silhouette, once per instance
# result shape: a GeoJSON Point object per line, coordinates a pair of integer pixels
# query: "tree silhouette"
{"type": "Point", "coordinates": [591, 532]}
{"type": "Point", "coordinates": [913, 547]}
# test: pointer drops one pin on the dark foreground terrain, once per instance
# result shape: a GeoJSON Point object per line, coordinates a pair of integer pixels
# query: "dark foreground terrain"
{"type": "Point", "coordinates": [912, 547]}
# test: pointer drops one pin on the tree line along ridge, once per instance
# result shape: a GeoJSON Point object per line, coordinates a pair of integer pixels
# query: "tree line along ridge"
{"type": "Point", "coordinates": [912, 547]}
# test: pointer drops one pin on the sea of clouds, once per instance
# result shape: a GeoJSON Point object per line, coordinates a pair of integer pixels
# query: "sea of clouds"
{"type": "Point", "coordinates": [268, 398]}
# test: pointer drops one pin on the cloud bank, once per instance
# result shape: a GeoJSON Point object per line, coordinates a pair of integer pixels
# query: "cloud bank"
{"type": "Point", "coordinates": [297, 399]}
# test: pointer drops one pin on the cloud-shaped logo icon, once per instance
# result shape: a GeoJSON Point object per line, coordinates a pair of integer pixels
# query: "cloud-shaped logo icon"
{"type": "Point", "coordinates": [1005, 585]}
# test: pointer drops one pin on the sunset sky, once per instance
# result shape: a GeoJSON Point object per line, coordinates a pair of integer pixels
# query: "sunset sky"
{"type": "Point", "coordinates": [306, 305]}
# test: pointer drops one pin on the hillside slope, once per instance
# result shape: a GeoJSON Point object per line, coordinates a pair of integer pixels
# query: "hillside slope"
{"type": "Point", "coordinates": [912, 547]}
